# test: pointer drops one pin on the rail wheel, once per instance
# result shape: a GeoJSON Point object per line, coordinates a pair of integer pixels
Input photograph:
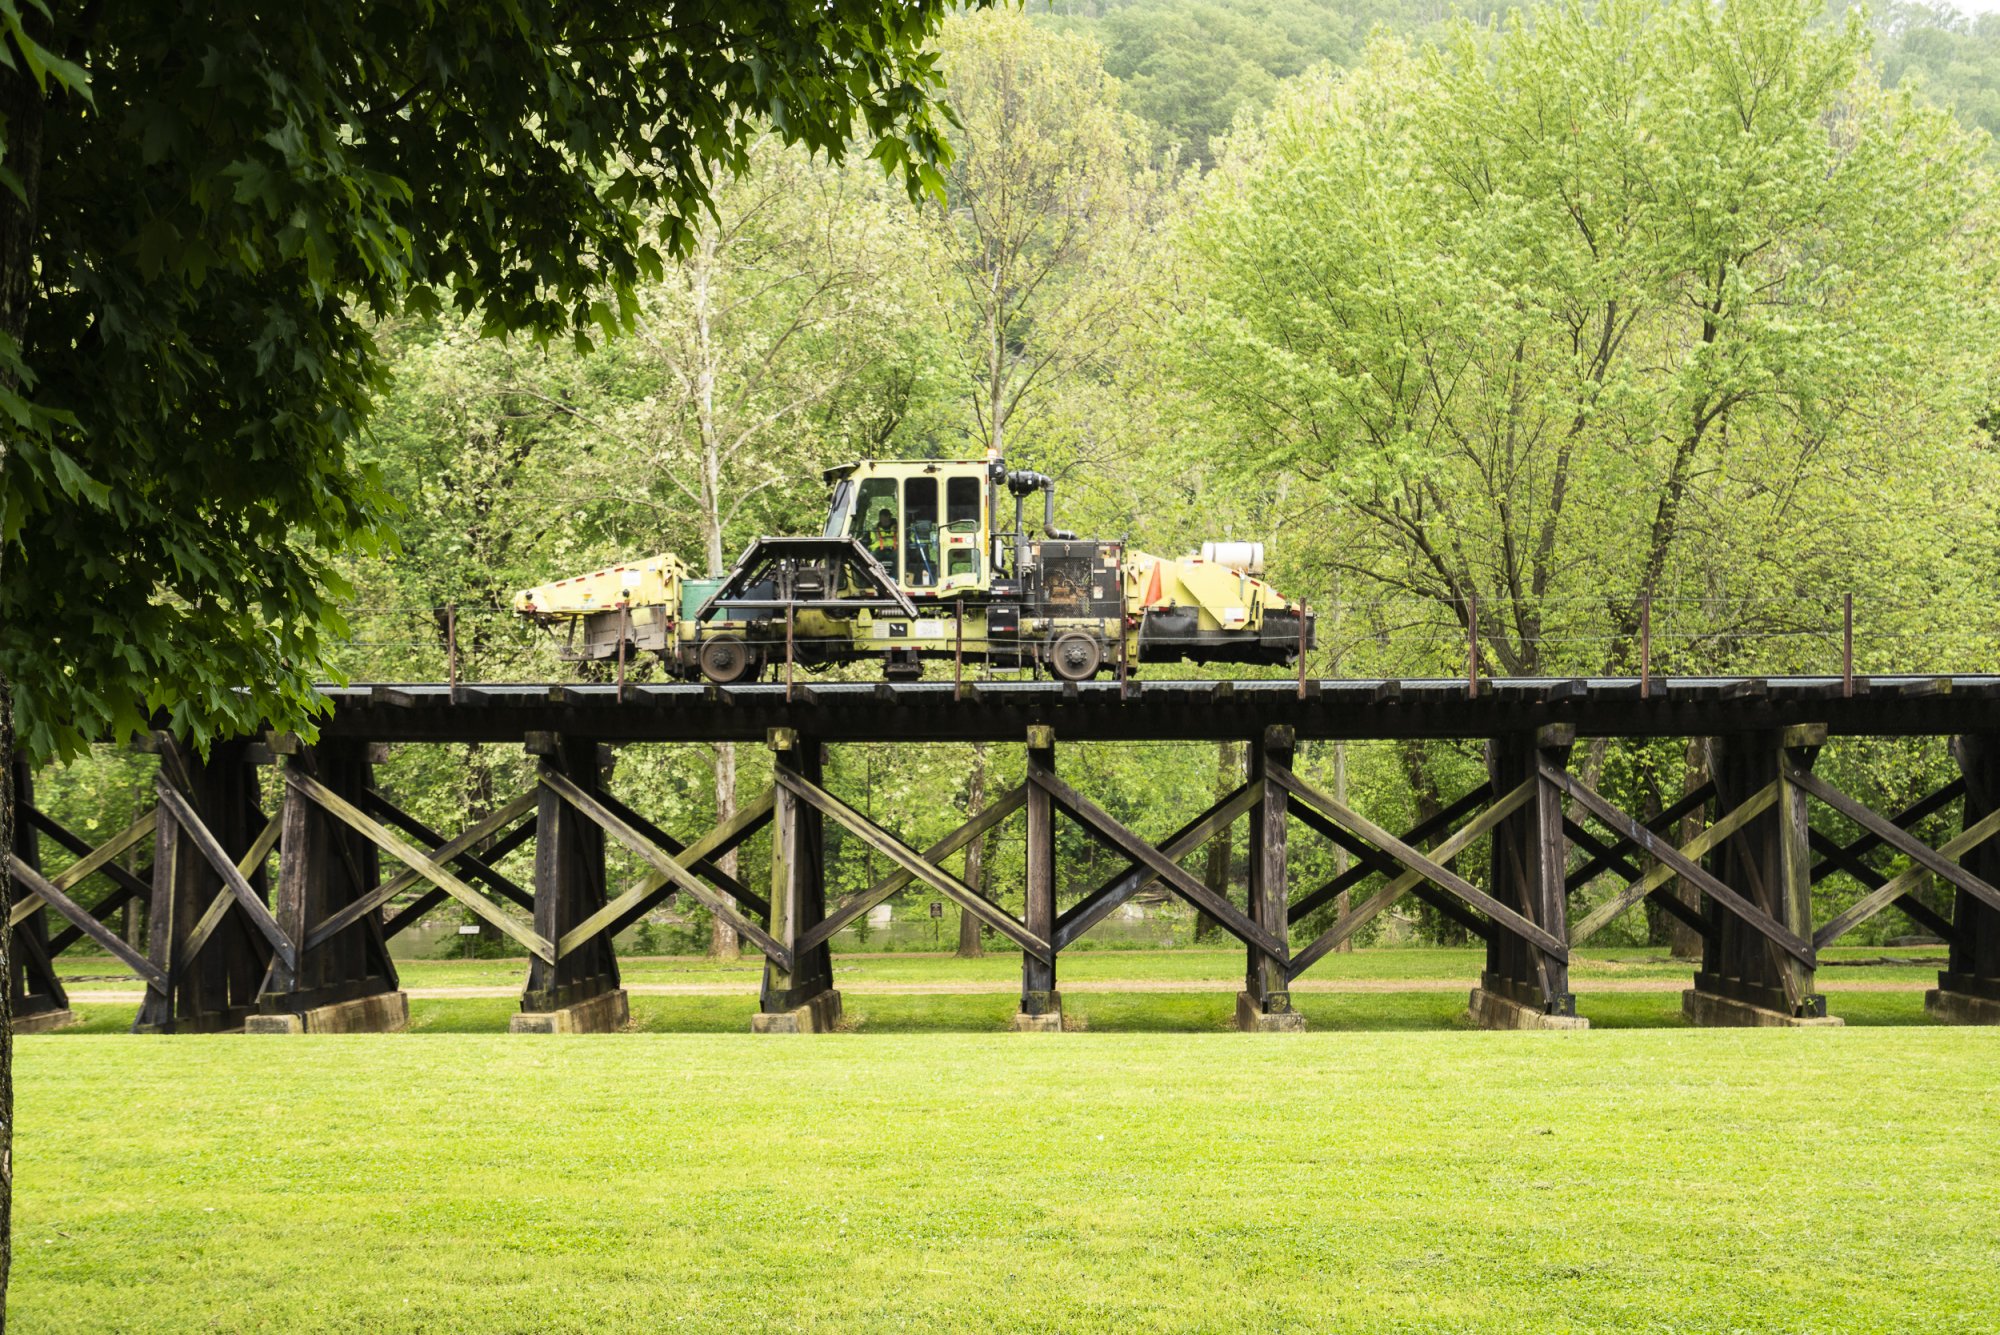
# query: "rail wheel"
{"type": "Point", "coordinates": [726, 660]}
{"type": "Point", "coordinates": [1075, 656]}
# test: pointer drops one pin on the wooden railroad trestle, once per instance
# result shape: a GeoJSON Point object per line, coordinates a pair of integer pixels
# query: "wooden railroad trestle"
{"type": "Point", "coordinates": [222, 952]}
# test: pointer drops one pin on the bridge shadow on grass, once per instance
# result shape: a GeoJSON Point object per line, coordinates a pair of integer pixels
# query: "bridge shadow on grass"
{"type": "Point", "coordinates": [1095, 1012]}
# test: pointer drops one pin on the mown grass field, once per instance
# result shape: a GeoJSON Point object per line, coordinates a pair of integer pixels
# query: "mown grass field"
{"type": "Point", "coordinates": [1094, 1012]}
{"type": "Point", "coordinates": [1838, 965]}
{"type": "Point", "coordinates": [1654, 1180]}
{"type": "Point", "coordinates": [1390, 1170]}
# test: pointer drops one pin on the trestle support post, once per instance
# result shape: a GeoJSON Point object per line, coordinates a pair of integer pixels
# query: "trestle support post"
{"type": "Point", "coordinates": [346, 983]}
{"type": "Point", "coordinates": [578, 992]}
{"type": "Point", "coordinates": [1747, 978]}
{"type": "Point", "coordinates": [212, 988]}
{"type": "Point", "coordinates": [1524, 986]}
{"type": "Point", "coordinates": [1041, 1003]}
{"type": "Point", "coordinates": [1265, 1003]}
{"type": "Point", "coordinates": [1968, 990]}
{"type": "Point", "coordinates": [39, 1003]}
{"type": "Point", "coordinates": [801, 1000]}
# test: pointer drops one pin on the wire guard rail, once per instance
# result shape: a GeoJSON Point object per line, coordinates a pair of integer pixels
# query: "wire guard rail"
{"type": "Point", "coordinates": [1650, 638]}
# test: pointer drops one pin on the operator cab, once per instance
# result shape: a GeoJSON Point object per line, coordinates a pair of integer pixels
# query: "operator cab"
{"type": "Point", "coordinates": [928, 522]}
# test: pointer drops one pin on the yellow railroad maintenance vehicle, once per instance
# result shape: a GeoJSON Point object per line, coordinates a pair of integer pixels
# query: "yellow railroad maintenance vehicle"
{"type": "Point", "coordinates": [914, 563]}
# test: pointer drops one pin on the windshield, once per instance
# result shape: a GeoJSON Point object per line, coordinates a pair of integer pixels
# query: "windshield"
{"type": "Point", "coordinates": [920, 512]}
{"type": "Point", "coordinates": [836, 519]}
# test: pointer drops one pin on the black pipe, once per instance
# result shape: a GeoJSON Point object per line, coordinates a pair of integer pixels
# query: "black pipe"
{"type": "Point", "coordinates": [1049, 528]}
{"type": "Point", "coordinates": [1023, 483]}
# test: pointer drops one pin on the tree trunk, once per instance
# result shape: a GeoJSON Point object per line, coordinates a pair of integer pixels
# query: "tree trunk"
{"type": "Point", "coordinates": [1343, 901]}
{"type": "Point", "coordinates": [478, 805]}
{"type": "Point", "coordinates": [23, 106]}
{"type": "Point", "coordinates": [1222, 848]}
{"type": "Point", "coordinates": [969, 944]}
{"type": "Point", "coordinates": [996, 366]}
{"type": "Point", "coordinates": [6, 988]}
{"type": "Point", "coordinates": [722, 943]}
{"type": "Point", "coordinates": [1415, 756]}
{"type": "Point", "coordinates": [1685, 941]}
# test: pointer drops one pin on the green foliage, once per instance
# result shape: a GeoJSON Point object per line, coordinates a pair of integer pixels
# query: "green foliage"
{"type": "Point", "coordinates": [218, 203]}
{"type": "Point", "coordinates": [1189, 68]}
{"type": "Point", "coordinates": [1040, 243]}
{"type": "Point", "coordinates": [1611, 304]}
{"type": "Point", "coordinates": [1949, 56]}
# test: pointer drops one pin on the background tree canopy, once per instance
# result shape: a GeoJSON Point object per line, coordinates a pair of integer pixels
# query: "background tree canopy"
{"type": "Point", "coordinates": [1658, 301]}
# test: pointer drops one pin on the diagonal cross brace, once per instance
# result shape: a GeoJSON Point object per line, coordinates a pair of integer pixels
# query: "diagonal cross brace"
{"type": "Point", "coordinates": [1847, 857]}
{"type": "Point", "coordinates": [1447, 849]}
{"type": "Point", "coordinates": [1919, 852]}
{"type": "Point", "coordinates": [1905, 881]}
{"type": "Point", "coordinates": [1428, 869]}
{"type": "Point", "coordinates": [1838, 858]}
{"type": "Point", "coordinates": [1776, 932]}
{"type": "Point", "coordinates": [418, 861]}
{"type": "Point", "coordinates": [913, 862]}
{"type": "Point", "coordinates": [480, 867]}
{"type": "Point", "coordinates": [1094, 907]}
{"type": "Point", "coordinates": [86, 923]}
{"type": "Point", "coordinates": [665, 863]}
{"type": "Point", "coordinates": [211, 918]}
{"type": "Point", "coordinates": [98, 858]}
{"type": "Point", "coordinates": [636, 900]}
{"type": "Point", "coordinates": [211, 851]}
{"type": "Point", "coordinates": [1374, 861]}
{"type": "Point", "coordinates": [861, 901]}
{"type": "Point", "coordinates": [1754, 806]}
{"type": "Point", "coordinates": [1095, 819]}
{"type": "Point", "coordinates": [1422, 832]}
{"type": "Point", "coordinates": [1602, 856]}
{"type": "Point", "coordinates": [442, 855]}
{"type": "Point", "coordinates": [701, 863]}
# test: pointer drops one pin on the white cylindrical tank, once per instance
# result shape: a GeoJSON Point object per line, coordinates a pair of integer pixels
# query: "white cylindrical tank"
{"type": "Point", "coordinates": [1247, 557]}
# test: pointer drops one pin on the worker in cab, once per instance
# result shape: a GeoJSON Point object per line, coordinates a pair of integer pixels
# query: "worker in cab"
{"type": "Point", "coordinates": [882, 542]}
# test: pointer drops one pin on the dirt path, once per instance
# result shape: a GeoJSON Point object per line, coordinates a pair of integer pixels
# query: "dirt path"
{"type": "Point", "coordinates": [1003, 987]}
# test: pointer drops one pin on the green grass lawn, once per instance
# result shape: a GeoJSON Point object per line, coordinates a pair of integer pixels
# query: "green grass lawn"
{"type": "Point", "coordinates": [1838, 965]}
{"type": "Point", "coordinates": [1094, 1012]}
{"type": "Point", "coordinates": [1658, 1180]}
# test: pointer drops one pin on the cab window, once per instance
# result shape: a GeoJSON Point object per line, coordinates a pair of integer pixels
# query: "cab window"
{"type": "Point", "coordinates": [875, 522]}
{"type": "Point", "coordinates": [836, 518]}
{"type": "Point", "coordinates": [961, 504]}
{"type": "Point", "coordinates": [920, 532]}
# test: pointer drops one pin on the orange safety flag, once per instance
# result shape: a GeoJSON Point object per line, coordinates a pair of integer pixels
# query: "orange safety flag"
{"type": "Point", "coordinates": [1152, 588]}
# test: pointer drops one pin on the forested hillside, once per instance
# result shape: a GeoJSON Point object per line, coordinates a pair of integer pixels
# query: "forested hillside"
{"type": "Point", "coordinates": [1527, 323]}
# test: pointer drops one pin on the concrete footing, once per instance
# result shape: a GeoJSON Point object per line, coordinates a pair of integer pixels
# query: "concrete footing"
{"type": "Point", "coordinates": [1491, 1010]}
{"type": "Point", "coordinates": [1960, 1007]}
{"type": "Point", "coordinates": [42, 1022]}
{"type": "Point", "coordinates": [1710, 1011]}
{"type": "Point", "coordinates": [1253, 1019]}
{"type": "Point", "coordinates": [383, 1013]}
{"type": "Point", "coordinates": [606, 1013]}
{"type": "Point", "coordinates": [1050, 1021]}
{"type": "Point", "coordinates": [819, 1015]}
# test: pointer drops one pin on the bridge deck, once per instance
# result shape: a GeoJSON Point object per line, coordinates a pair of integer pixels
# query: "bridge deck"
{"type": "Point", "coordinates": [1165, 710]}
